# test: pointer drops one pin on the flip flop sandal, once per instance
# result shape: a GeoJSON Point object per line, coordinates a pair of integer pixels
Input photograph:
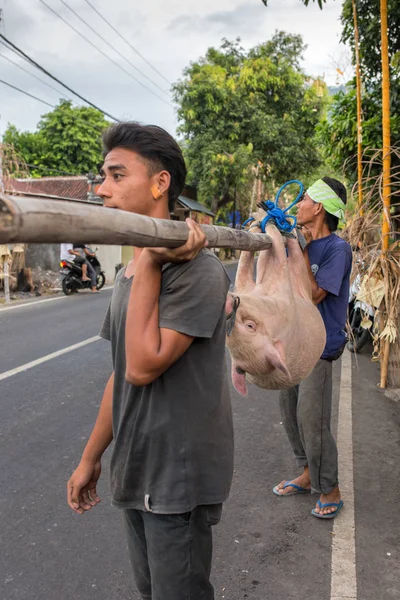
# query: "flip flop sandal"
{"type": "Point", "coordinates": [297, 489]}
{"type": "Point", "coordinates": [332, 515]}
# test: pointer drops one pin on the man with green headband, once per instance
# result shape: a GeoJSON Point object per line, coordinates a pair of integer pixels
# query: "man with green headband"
{"type": "Point", "coordinates": [306, 409]}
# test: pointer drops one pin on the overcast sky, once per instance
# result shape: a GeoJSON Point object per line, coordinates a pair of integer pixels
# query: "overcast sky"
{"type": "Point", "coordinates": [168, 33]}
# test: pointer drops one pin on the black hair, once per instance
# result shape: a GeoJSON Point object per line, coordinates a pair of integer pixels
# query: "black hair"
{"type": "Point", "coordinates": [340, 190]}
{"type": "Point", "coordinates": [156, 146]}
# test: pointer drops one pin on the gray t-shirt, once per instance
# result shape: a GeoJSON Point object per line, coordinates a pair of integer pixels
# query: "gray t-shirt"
{"type": "Point", "coordinates": [173, 438]}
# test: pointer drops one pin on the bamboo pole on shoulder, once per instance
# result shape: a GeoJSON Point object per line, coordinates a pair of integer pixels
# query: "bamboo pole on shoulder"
{"type": "Point", "coordinates": [32, 220]}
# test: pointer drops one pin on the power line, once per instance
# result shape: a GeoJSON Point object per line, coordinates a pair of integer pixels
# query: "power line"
{"type": "Point", "coordinates": [33, 62]}
{"type": "Point", "coordinates": [26, 93]}
{"type": "Point", "coordinates": [127, 42]}
{"type": "Point", "coordinates": [112, 47]}
{"type": "Point", "coordinates": [103, 53]}
{"type": "Point", "coordinates": [29, 73]}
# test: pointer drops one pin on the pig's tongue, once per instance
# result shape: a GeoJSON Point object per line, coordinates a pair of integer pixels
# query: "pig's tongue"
{"type": "Point", "coordinates": [239, 380]}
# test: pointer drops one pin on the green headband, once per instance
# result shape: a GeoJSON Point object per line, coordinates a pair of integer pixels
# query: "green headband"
{"type": "Point", "coordinates": [323, 193]}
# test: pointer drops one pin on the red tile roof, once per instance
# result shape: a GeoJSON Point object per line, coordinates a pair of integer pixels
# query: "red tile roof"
{"type": "Point", "coordinates": [64, 187]}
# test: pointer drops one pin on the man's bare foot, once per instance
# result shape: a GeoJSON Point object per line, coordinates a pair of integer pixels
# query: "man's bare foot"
{"type": "Point", "coordinates": [333, 497]}
{"type": "Point", "coordinates": [303, 481]}
{"type": "Point", "coordinates": [85, 278]}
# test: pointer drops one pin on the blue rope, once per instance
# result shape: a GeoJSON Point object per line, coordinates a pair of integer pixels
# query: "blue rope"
{"type": "Point", "coordinates": [283, 221]}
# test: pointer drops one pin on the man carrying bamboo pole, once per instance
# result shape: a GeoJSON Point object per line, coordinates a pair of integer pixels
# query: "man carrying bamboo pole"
{"type": "Point", "coordinates": [166, 404]}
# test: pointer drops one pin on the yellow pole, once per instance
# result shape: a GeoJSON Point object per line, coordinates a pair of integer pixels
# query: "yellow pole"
{"type": "Point", "coordinates": [386, 161]}
{"type": "Point", "coordinates": [385, 127]}
{"type": "Point", "coordinates": [359, 117]}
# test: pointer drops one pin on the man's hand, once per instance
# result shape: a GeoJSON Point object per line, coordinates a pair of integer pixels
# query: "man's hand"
{"type": "Point", "coordinates": [81, 488]}
{"type": "Point", "coordinates": [195, 242]}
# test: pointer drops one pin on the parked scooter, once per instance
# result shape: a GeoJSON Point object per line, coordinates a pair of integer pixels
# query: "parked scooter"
{"type": "Point", "coordinates": [72, 275]}
{"type": "Point", "coordinates": [359, 315]}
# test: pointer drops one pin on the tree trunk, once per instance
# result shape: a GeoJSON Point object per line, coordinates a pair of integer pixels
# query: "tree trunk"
{"type": "Point", "coordinates": [43, 220]}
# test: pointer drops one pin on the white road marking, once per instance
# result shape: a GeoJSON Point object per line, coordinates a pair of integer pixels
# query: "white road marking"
{"type": "Point", "coordinates": [343, 577]}
{"type": "Point", "coordinates": [43, 359]}
{"type": "Point", "coordinates": [110, 287]}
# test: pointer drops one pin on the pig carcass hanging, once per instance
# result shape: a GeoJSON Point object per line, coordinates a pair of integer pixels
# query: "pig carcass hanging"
{"type": "Point", "coordinates": [275, 333]}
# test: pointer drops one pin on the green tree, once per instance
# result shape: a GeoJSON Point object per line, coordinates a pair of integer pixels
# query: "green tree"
{"type": "Point", "coordinates": [338, 131]}
{"type": "Point", "coordinates": [67, 139]}
{"type": "Point", "coordinates": [237, 108]}
{"type": "Point", "coordinates": [28, 145]}
{"type": "Point", "coordinates": [368, 16]}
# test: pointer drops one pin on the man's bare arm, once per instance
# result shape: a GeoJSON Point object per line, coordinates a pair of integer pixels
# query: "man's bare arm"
{"type": "Point", "coordinates": [82, 486]}
{"type": "Point", "coordinates": [102, 434]}
{"type": "Point", "coordinates": [150, 350]}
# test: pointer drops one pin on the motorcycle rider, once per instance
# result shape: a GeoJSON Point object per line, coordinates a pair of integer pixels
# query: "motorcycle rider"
{"type": "Point", "coordinates": [77, 253]}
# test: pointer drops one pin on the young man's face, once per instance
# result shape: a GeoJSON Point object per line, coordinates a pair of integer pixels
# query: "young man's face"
{"type": "Point", "coordinates": [307, 211]}
{"type": "Point", "coordinates": [127, 184]}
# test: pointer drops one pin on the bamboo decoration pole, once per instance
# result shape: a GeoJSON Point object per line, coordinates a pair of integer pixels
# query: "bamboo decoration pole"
{"type": "Point", "coordinates": [386, 161]}
{"type": "Point", "coordinates": [359, 110]}
{"type": "Point", "coordinates": [385, 126]}
{"type": "Point", "coordinates": [31, 219]}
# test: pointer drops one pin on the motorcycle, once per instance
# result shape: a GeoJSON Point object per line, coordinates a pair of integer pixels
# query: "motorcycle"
{"type": "Point", "coordinates": [361, 318]}
{"type": "Point", "coordinates": [72, 275]}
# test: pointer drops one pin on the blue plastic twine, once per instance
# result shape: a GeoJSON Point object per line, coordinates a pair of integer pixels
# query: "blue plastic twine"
{"type": "Point", "coordinates": [283, 221]}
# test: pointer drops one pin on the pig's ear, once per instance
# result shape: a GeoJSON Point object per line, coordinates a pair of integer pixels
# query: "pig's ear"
{"type": "Point", "coordinates": [239, 380]}
{"type": "Point", "coordinates": [275, 354]}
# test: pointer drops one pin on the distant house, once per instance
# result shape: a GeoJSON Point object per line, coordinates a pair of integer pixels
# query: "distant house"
{"type": "Point", "coordinates": [73, 187]}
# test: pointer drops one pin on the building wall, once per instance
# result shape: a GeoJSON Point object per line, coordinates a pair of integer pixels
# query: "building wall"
{"type": "Point", "coordinates": [109, 256]}
{"type": "Point", "coordinates": [126, 254]}
{"type": "Point", "coordinates": [47, 256]}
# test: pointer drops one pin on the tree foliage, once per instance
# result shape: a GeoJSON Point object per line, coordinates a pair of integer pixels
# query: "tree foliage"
{"type": "Point", "coordinates": [338, 132]}
{"type": "Point", "coordinates": [369, 25]}
{"type": "Point", "coordinates": [239, 107]}
{"type": "Point", "coordinates": [67, 139]}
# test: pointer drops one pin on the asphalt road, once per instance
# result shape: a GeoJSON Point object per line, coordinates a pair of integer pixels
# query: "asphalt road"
{"type": "Point", "coordinates": [265, 548]}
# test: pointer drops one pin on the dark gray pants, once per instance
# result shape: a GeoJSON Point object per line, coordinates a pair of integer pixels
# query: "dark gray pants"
{"type": "Point", "coordinates": [171, 554]}
{"type": "Point", "coordinates": [90, 270]}
{"type": "Point", "coordinates": [306, 415]}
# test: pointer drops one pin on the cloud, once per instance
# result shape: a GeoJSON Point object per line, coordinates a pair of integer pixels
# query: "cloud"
{"type": "Point", "coordinates": [169, 33]}
{"type": "Point", "coordinates": [244, 18]}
